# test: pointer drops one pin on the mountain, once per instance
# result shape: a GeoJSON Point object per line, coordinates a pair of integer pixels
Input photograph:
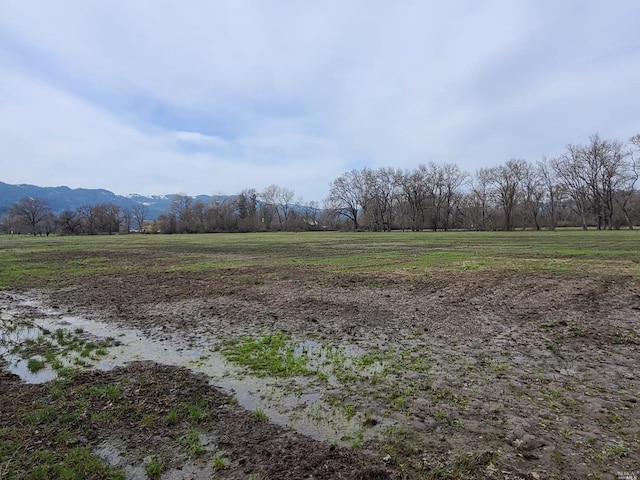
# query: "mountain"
{"type": "Point", "coordinates": [65, 198]}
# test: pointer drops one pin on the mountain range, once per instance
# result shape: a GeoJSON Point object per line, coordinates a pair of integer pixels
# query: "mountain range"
{"type": "Point", "coordinates": [63, 198]}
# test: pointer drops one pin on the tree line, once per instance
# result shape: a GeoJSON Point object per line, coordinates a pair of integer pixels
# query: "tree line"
{"type": "Point", "coordinates": [589, 185]}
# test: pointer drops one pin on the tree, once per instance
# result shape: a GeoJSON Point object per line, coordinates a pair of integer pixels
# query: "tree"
{"type": "Point", "coordinates": [311, 215]}
{"type": "Point", "coordinates": [553, 192]}
{"type": "Point", "coordinates": [247, 207]}
{"type": "Point", "coordinates": [594, 175]}
{"type": "Point", "coordinates": [508, 179]}
{"type": "Point", "coordinates": [481, 195]}
{"type": "Point", "coordinates": [380, 195]}
{"type": "Point", "coordinates": [347, 195]}
{"type": "Point", "coordinates": [6, 223]}
{"type": "Point", "coordinates": [414, 193]}
{"type": "Point", "coordinates": [166, 223]}
{"type": "Point", "coordinates": [603, 162]}
{"type": "Point", "coordinates": [88, 216]}
{"type": "Point", "coordinates": [108, 218]}
{"type": "Point", "coordinates": [625, 192]}
{"type": "Point", "coordinates": [219, 216]}
{"type": "Point", "coordinates": [436, 197]}
{"type": "Point", "coordinates": [33, 212]}
{"type": "Point", "coordinates": [127, 219]}
{"type": "Point", "coordinates": [569, 169]}
{"type": "Point", "coordinates": [452, 181]}
{"type": "Point", "coordinates": [279, 199]}
{"type": "Point", "coordinates": [70, 223]}
{"type": "Point", "coordinates": [532, 195]}
{"type": "Point", "coordinates": [139, 211]}
{"type": "Point", "coordinates": [183, 212]}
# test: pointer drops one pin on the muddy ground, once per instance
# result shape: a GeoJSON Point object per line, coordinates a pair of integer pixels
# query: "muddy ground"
{"type": "Point", "coordinates": [490, 376]}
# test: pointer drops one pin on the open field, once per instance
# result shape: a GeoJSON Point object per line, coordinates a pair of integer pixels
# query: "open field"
{"type": "Point", "coordinates": [337, 355]}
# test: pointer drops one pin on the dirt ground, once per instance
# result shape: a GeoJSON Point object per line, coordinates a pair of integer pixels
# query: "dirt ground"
{"type": "Point", "coordinates": [504, 376]}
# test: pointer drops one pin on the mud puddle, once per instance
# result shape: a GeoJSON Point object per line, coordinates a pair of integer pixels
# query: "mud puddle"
{"type": "Point", "coordinates": [291, 402]}
{"type": "Point", "coordinates": [11, 337]}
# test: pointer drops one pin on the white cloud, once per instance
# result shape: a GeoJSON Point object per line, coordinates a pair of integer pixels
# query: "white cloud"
{"type": "Point", "coordinates": [158, 96]}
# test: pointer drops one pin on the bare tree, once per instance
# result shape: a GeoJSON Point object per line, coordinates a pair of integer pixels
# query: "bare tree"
{"type": "Point", "coordinates": [553, 191]}
{"type": "Point", "coordinates": [167, 223]}
{"type": "Point", "coordinates": [70, 223]}
{"type": "Point", "coordinates": [347, 196]}
{"type": "Point", "coordinates": [88, 217]}
{"type": "Point", "coordinates": [50, 224]}
{"type": "Point", "coordinates": [311, 215]}
{"type": "Point", "coordinates": [248, 210]}
{"type": "Point", "coordinates": [199, 216]}
{"type": "Point", "coordinates": [381, 194]}
{"type": "Point", "coordinates": [218, 215]}
{"type": "Point", "coordinates": [625, 191]}
{"type": "Point", "coordinates": [33, 212]}
{"type": "Point", "coordinates": [108, 218]}
{"type": "Point", "coordinates": [415, 192]}
{"type": "Point", "coordinates": [434, 178]}
{"type": "Point", "coordinates": [452, 181]}
{"type": "Point", "coordinates": [481, 188]}
{"type": "Point", "coordinates": [140, 212]}
{"type": "Point", "coordinates": [570, 171]}
{"type": "Point", "coordinates": [127, 219]}
{"type": "Point", "coordinates": [280, 200]}
{"type": "Point", "coordinates": [594, 175]}
{"type": "Point", "coordinates": [603, 164]}
{"type": "Point", "coordinates": [182, 210]}
{"type": "Point", "coordinates": [532, 195]}
{"type": "Point", "coordinates": [6, 223]}
{"type": "Point", "coordinates": [508, 179]}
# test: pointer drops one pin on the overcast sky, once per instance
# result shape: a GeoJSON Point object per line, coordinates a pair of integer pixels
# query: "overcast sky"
{"type": "Point", "coordinates": [208, 96]}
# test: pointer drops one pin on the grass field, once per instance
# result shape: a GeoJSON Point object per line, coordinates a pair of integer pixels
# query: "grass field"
{"type": "Point", "coordinates": [44, 261]}
{"type": "Point", "coordinates": [497, 355]}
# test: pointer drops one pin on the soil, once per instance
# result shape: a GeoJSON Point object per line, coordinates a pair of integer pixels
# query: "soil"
{"type": "Point", "coordinates": [529, 376]}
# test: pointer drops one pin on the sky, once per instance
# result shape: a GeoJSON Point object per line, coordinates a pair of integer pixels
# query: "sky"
{"type": "Point", "coordinates": [214, 96]}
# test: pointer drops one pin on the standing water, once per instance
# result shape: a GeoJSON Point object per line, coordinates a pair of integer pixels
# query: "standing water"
{"type": "Point", "coordinates": [294, 402]}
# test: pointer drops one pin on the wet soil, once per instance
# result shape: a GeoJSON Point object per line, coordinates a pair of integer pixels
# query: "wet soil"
{"type": "Point", "coordinates": [247, 445]}
{"type": "Point", "coordinates": [494, 375]}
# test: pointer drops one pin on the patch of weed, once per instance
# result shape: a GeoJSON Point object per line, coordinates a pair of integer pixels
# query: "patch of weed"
{"type": "Point", "coordinates": [192, 443]}
{"type": "Point", "coordinates": [260, 415]}
{"type": "Point", "coordinates": [173, 416]}
{"type": "Point", "coordinates": [268, 355]}
{"type": "Point", "coordinates": [154, 468]}
{"type": "Point", "coordinates": [617, 450]}
{"type": "Point", "coordinates": [34, 365]}
{"type": "Point", "coordinates": [219, 462]}
{"type": "Point", "coordinates": [76, 463]}
{"type": "Point", "coordinates": [105, 392]}
{"type": "Point", "coordinates": [196, 411]}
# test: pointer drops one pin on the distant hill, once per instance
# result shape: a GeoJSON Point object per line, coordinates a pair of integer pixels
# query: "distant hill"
{"type": "Point", "coordinates": [65, 198]}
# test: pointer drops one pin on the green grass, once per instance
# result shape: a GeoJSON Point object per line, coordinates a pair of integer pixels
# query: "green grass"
{"type": "Point", "coordinates": [105, 392]}
{"type": "Point", "coordinates": [219, 462]}
{"type": "Point", "coordinates": [172, 416]}
{"type": "Point", "coordinates": [195, 411]}
{"type": "Point", "coordinates": [617, 450]}
{"type": "Point", "coordinates": [191, 442]}
{"type": "Point", "coordinates": [268, 355]}
{"type": "Point", "coordinates": [59, 350]}
{"type": "Point", "coordinates": [154, 468]}
{"type": "Point", "coordinates": [77, 463]}
{"type": "Point", "coordinates": [260, 415]}
{"type": "Point", "coordinates": [34, 365]}
{"type": "Point", "coordinates": [52, 261]}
